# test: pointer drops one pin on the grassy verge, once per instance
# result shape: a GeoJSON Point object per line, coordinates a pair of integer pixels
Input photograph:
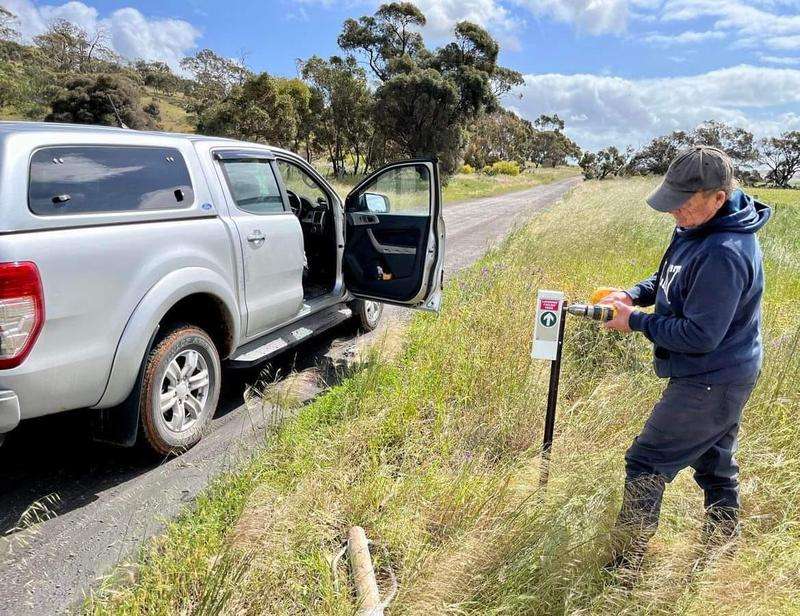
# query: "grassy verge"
{"type": "Point", "coordinates": [463, 187]}
{"type": "Point", "coordinates": [474, 186]}
{"type": "Point", "coordinates": [434, 453]}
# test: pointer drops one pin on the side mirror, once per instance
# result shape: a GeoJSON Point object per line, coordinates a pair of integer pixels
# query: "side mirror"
{"type": "Point", "coordinates": [375, 203]}
{"type": "Point", "coordinates": [322, 202]}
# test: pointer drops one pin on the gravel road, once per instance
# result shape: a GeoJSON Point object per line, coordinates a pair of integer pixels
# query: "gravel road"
{"type": "Point", "coordinates": [99, 503]}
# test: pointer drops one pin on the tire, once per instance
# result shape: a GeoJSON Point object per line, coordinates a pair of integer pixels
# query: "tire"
{"type": "Point", "coordinates": [367, 314]}
{"type": "Point", "coordinates": [173, 371]}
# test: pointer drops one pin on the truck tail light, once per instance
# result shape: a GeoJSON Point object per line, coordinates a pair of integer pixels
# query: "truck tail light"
{"type": "Point", "coordinates": [21, 311]}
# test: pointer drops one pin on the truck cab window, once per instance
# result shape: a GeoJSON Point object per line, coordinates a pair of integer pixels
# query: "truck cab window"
{"type": "Point", "coordinates": [305, 194]}
{"type": "Point", "coordinates": [253, 186]}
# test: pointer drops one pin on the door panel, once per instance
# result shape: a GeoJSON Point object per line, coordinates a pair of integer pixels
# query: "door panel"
{"type": "Point", "coordinates": [271, 240]}
{"type": "Point", "coordinates": [394, 245]}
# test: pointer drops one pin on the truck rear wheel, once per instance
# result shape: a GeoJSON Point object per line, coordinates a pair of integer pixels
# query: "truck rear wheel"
{"type": "Point", "coordinates": [179, 390]}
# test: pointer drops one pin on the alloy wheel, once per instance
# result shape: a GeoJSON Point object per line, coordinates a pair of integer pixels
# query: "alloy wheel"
{"type": "Point", "coordinates": [184, 391]}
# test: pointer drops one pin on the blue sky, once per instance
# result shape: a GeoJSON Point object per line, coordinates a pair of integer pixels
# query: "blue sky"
{"type": "Point", "coordinates": [619, 71]}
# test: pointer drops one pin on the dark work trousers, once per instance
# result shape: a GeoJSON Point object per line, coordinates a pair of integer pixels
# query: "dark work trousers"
{"type": "Point", "coordinates": [694, 424]}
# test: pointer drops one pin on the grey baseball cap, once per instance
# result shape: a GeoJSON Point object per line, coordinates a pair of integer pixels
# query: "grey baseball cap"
{"type": "Point", "coordinates": [701, 167]}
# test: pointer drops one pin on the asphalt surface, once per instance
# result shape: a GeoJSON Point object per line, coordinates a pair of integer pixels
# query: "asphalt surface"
{"type": "Point", "coordinates": [71, 509]}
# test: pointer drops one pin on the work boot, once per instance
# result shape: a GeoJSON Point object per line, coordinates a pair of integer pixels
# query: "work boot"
{"type": "Point", "coordinates": [628, 547]}
{"type": "Point", "coordinates": [636, 524]}
{"type": "Point", "coordinates": [718, 536]}
{"type": "Point", "coordinates": [721, 527]}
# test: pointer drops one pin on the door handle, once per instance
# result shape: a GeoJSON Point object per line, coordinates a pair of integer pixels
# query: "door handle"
{"type": "Point", "coordinates": [256, 236]}
{"type": "Point", "coordinates": [388, 249]}
{"type": "Point", "coordinates": [364, 219]}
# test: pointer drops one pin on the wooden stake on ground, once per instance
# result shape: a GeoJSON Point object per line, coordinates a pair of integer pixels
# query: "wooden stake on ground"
{"type": "Point", "coordinates": [369, 600]}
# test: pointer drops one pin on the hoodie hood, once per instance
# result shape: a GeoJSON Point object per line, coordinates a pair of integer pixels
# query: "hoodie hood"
{"type": "Point", "coordinates": [740, 214]}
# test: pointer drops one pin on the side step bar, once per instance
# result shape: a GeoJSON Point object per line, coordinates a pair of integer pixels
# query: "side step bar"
{"type": "Point", "coordinates": [259, 350]}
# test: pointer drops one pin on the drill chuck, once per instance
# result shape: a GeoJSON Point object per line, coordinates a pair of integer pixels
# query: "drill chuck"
{"type": "Point", "coordinates": [594, 312]}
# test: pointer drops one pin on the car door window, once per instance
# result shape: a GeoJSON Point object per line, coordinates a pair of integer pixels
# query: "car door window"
{"type": "Point", "coordinates": [253, 186]}
{"type": "Point", "coordinates": [301, 184]}
{"type": "Point", "coordinates": [394, 236]}
{"type": "Point", "coordinates": [404, 191]}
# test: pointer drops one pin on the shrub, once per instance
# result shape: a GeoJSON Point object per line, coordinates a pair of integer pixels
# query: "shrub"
{"type": "Point", "coordinates": [153, 110]}
{"type": "Point", "coordinates": [97, 99]}
{"type": "Point", "coordinates": [487, 170]}
{"type": "Point", "coordinates": [468, 169]}
{"type": "Point", "coordinates": [505, 167]}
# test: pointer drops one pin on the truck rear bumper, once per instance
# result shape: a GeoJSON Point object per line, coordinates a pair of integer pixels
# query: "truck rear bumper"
{"type": "Point", "coordinates": [9, 411]}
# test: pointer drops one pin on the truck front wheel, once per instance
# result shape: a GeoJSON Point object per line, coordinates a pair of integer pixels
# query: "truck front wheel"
{"type": "Point", "coordinates": [367, 314]}
{"type": "Point", "coordinates": [179, 389]}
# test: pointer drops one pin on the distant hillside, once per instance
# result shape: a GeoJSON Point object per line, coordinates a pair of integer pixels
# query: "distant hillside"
{"type": "Point", "coordinates": [172, 107]}
{"type": "Point", "coordinates": [173, 116]}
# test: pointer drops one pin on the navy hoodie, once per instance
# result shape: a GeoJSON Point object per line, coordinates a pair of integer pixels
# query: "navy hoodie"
{"type": "Point", "coordinates": [707, 296]}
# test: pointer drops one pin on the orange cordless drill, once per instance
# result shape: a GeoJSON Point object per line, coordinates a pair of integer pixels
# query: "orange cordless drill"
{"type": "Point", "coordinates": [594, 311]}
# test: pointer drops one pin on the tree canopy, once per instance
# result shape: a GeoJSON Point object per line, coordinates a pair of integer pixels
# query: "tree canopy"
{"type": "Point", "coordinates": [503, 135]}
{"type": "Point", "coordinates": [781, 155]}
{"type": "Point", "coordinates": [214, 77]}
{"type": "Point", "coordinates": [71, 49]}
{"type": "Point", "coordinates": [425, 99]}
{"type": "Point", "coordinates": [263, 108]}
{"type": "Point", "coordinates": [342, 107]}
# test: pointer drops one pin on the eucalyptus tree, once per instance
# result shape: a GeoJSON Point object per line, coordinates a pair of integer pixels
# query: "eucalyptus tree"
{"type": "Point", "coordinates": [425, 99]}
{"type": "Point", "coordinates": [781, 155]}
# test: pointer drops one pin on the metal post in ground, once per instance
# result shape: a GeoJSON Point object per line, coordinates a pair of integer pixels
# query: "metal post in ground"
{"type": "Point", "coordinates": [552, 401]}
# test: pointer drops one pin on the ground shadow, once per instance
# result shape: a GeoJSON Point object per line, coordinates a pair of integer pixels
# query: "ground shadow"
{"type": "Point", "coordinates": [56, 455]}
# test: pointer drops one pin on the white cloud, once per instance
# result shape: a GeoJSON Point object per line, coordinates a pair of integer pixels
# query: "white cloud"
{"type": "Point", "coordinates": [771, 24]}
{"type": "Point", "coordinates": [757, 24]}
{"type": "Point", "coordinates": [780, 60]}
{"type": "Point", "coordinates": [30, 20]}
{"type": "Point", "coordinates": [78, 13]}
{"type": "Point", "coordinates": [607, 110]}
{"type": "Point", "coordinates": [684, 38]}
{"type": "Point", "coordinates": [135, 36]}
{"type": "Point", "coordinates": [442, 15]}
{"type": "Point", "coordinates": [592, 16]}
{"type": "Point", "coordinates": [131, 34]}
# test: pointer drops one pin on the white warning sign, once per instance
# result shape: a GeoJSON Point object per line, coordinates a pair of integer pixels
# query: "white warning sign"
{"type": "Point", "coordinates": [548, 321]}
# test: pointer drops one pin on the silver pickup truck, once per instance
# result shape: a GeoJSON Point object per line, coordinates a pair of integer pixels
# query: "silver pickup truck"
{"type": "Point", "coordinates": [135, 265]}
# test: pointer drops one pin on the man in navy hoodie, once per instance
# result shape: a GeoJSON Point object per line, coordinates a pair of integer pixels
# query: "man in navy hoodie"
{"type": "Point", "coordinates": [706, 330]}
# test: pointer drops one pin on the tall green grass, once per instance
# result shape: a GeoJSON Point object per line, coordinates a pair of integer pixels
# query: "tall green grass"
{"type": "Point", "coordinates": [435, 453]}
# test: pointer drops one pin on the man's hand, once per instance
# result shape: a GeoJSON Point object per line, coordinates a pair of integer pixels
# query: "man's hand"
{"type": "Point", "coordinates": [621, 322]}
{"type": "Point", "coordinates": [617, 296]}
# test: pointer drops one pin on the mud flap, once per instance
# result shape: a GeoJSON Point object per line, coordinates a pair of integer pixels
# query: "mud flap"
{"type": "Point", "coordinates": [119, 425]}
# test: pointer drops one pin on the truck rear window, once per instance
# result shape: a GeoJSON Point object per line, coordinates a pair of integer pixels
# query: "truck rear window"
{"type": "Point", "coordinates": [91, 179]}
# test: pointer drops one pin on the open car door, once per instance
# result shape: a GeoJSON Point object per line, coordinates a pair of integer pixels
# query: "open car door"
{"type": "Point", "coordinates": [394, 236]}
